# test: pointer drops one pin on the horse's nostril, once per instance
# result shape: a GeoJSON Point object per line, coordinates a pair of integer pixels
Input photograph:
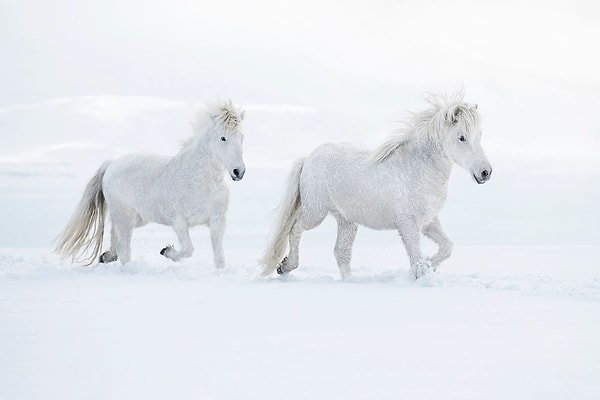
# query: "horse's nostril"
{"type": "Point", "coordinates": [236, 172]}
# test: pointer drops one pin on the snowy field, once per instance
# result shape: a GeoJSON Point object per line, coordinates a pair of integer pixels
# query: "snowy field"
{"type": "Point", "coordinates": [496, 323]}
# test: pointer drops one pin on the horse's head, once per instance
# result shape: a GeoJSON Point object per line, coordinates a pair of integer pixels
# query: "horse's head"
{"type": "Point", "coordinates": [228, 139]}
{"type": "Point", "coordinates": [462, 140]}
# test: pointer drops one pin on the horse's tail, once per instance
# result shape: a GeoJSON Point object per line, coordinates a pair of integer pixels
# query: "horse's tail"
{"type": "Point", "coordinates": [85, 230]}
{"type": "Point", "coordinates": [287, 214]}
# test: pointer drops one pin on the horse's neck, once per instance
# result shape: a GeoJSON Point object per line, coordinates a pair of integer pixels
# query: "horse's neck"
{"type": "Point", "coordinates": [198, 158]}
{"type": "Point", "coordinates": [428, 159]}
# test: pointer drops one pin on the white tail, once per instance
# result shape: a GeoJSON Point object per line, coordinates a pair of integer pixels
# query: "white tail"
{"type": "Point", "coordinates": [287, 214]}
{"type": "Point", "coordinates": [85, 230]}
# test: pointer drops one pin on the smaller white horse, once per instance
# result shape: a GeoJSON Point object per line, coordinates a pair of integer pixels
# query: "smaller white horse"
{"type": "Point", "coordinates": [402, 185]}
{"type": "Point", "coordinates": [186, 190]}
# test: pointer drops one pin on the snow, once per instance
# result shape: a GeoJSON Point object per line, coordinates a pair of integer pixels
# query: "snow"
{"type": "Point", "coordinates": [496, 322]}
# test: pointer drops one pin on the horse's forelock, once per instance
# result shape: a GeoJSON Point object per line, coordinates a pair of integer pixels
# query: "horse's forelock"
{"type": "Point", "coordinates": [227, 117]}
{"type": "Point", "coordinates": [451, 108]}
{"type": "Point", "coordinates": [221, 114]}
{"type": "Point", "coordinates": [468, 118]}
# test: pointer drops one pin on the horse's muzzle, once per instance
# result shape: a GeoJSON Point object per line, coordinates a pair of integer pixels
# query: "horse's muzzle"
{"type": "Point", "coordinates": [483, 176]}
{"type": "Point", "coordinates": [237, 174]}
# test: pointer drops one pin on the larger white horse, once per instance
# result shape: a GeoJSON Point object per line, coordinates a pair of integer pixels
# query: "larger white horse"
{"type": "Point", "coordinates": [402, 185]}
{"type": "Point", "coordinates": [185, 190]}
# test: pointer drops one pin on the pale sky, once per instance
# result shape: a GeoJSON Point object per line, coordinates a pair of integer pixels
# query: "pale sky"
{"type": "Point", "coordinates": [186, 48]}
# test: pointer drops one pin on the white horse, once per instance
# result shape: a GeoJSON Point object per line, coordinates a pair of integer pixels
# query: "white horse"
{"type": "Point", "coordinates": [185, 190]}
{"type": "Point", "coordinates": [402, 185]}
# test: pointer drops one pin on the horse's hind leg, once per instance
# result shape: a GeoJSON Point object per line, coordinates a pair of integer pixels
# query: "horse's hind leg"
{"type": "Point", "coordinates": [183, 235]}
{"type": "Point", "coordinates": [434, 232]}
{"type": "Point", "coordinates": [123, 221]}
{"type": "Point", "coordinates": [110, 255]}
{"type": "Point", "coordinates": [123, 231]}
{"type": "Point", "coordinates": [306, 221]}
{"type": "Point", "coordinates": [291, 261]}
{"type": "Point", "coordinates": [343, 244]}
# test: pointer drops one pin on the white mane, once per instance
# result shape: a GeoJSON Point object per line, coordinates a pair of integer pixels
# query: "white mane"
{"type": "Point", "coordinates": [219, 116]}
{"type": "Point", "coordinates": [430, 124]}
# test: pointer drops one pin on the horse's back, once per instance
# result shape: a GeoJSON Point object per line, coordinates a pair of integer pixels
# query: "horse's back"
{"type": "Point", "coordinates": [132, 170]}
{"type": "Point", "coordinates": [133, 181]}
{"type": "Point", "coordinates": [329, 163]}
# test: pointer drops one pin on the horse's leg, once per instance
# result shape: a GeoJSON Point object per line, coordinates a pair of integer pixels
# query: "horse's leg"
{"type": "Point", "coordinates": [183, 235]}
{"type": "Point", "coordinates": [435, 232]}
{"type": "Point", "coordinates": [123, 231]}
{"type": "Point", "coordinates": [110, 255]}
{"type": "Point", "coordinates": [217, 232]}
{"type": "Point", "coordinates": [291, 261]}
{"type": "Point", "coordinates": [411, 237]}
{"type": "Point", "coordinates": [306, 221]}
{"type": "Point", "coordinates": [343, 244]}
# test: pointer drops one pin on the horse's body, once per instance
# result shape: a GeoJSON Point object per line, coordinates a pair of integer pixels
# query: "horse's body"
{"type": "Point", "coordinates": [402, 185]}
{"type": "Point", "coordinates": [186, 190]}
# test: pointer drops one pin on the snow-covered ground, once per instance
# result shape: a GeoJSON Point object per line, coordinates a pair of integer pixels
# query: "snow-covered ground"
{"type": "Point", "coordinates": [495, 323]}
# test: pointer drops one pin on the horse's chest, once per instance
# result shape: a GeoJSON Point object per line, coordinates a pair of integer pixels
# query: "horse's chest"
{"type": "Point", "coordinates": [428, 203]}
{"type": "Point", "coordinates": [198, 204]}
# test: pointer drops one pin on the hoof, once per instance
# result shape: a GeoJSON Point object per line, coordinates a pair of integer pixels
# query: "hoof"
{"type": "Point", "coordinates": [166, 250]}
{"type": "Point", "coordinates": [281, 268]}
{"type": "Point", "coordinates": [421, 268]}
{"type": "Point", "coordinates": [107, 257]}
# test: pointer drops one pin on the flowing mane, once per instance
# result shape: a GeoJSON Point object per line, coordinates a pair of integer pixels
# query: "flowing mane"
{"type": "Point", "coordinates": [222, 115]}
{"type": "Point", "coordinates": [430, 124]}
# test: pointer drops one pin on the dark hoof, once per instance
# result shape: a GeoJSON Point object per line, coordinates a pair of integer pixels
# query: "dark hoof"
{"type": "Point", "coordinates": [107, 257]}
{"type": "Point", "coordinates": [282, 265]}
{"type": "Point", "coordinates": [164, 251]}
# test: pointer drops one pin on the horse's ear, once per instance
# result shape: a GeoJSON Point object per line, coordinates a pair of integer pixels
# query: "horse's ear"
{"type": "Point", "coordinates": [242, 113]}
{"type": "Point", "coordinates": [453, 115]}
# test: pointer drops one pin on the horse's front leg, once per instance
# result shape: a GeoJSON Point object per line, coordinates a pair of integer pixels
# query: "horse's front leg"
{"type": "Point", "coordinates": [435, 232]}
{"type": "Point", "coordinates": [217, 232]}
{"type": "Point", "coordinates": [183, 235]}
{"type": "Point", "coordinates": [410, 233]}
{"type": "Point", "coordinates": [343, 245]}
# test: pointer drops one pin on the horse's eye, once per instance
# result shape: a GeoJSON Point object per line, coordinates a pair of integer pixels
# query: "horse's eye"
{"type": "Point", "coordinates": [223, 139]}
{"type": "Point", "coordinates": [462, 138]}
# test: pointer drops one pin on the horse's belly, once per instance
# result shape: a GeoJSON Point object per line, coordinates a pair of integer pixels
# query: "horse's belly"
{"type": "Point", "coordinates": [368, 214]}
{"type": "Point", "coordinates": [382, 213]}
